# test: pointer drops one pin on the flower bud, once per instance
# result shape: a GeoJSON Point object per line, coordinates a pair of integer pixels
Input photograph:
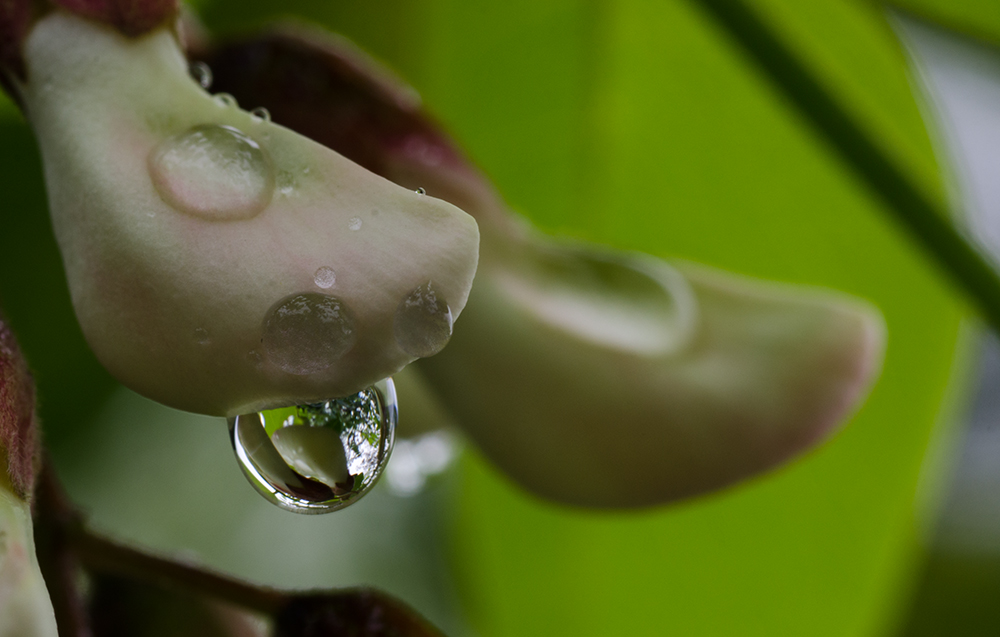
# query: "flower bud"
{"type": "Point", "coordinates": [219, 262]}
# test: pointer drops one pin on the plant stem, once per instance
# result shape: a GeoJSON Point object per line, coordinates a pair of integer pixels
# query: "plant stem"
{"type": "Point", "coordinates": [927, 222]}
{"type": "Point", "coordinates": [103, 555]}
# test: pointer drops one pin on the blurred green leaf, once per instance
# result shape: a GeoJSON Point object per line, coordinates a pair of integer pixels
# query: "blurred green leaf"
{"type": "Point", "coordinates": [978, 18]}
{"type": "Point", "coordinates": [639, 125]}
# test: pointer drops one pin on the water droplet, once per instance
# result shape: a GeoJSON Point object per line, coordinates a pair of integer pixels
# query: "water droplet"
{"type": "Point", "coordinates": [286, 183]}
{"type": "Point", "coordinates": [320, 457]}
{"type": "Point", "coordinates": [306, 333]}
{"type": "Point", "coordinates": [255, 358]}
{"type": "Point", "coordinates": [325, 277]}
{"type": "Point", "coordinates": [225, 100]}
{"type": "Point", "coordinates": [260, 115]}
{"type": "Point", "coordinates": [420, 191]}
{"type": "Point", "coordinates": [214, 172]}
{"type": "Point", "coordinates": [201, 73]}
{"type": "Point", "coordinates": [355, 223]}
{"type": "Point", "coordinates": [201, 336]}
{"type": "Point", "coordinates": [305, 171]}
{"type": "Point", "coordinates": [423, 321]}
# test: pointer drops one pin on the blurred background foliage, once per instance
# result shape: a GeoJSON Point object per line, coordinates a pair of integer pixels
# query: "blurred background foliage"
{"type": "Point", "coordinates": [634, 123]}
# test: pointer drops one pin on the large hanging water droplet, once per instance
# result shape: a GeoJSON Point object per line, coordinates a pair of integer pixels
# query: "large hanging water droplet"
{"type": "Point", "coordinates": [306, 333]}
{"type": "Point", "coordinates": [213, 172]}
{"type": "Point", "coordinates": [423, 321]}
{"type": "Point", "coordinates": [321, 457]}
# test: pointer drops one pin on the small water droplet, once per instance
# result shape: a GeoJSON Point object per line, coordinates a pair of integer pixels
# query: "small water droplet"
{"type": "Point", "coordinates": [306, 333]}
{"type": "Point", "coordinates": [320, 457]}
{"type": "Point", "coordinates": [325, 277]}
{"type": "Point", "coordinates": [201, 73]}
{"type": "Point", "coordinates": [260, 115]}
{"type": "Point", "coordinates": [225, 100]}
{"type": "Point", "coordinates": [420, 191]}
{"type": "Point", "coordinates": [255, 358]}
{"type": "Point", "coordinates": [355, 223]}
{"type": "Point", "coordinates": [214, 172]}
{"type": "Point", "coordinates": [305, 171]}
{"type": "Point", "coordinates": [423, 322]}
{"type": "Point", "coordinates": [286, 183]}
{"type": "Point", "coordinates": [201, 336]}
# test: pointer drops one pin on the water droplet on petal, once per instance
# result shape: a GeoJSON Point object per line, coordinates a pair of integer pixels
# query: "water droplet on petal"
{"type": "Point", "coordinates": [260, 115]}
{"type": "Point", "coordinates": [201, 73]}
{"type": "Point", "coordinates": [423, 321]}
{"type": "Point", "coordinates": [225, 100]}
{"type": "Point", "coordinates": [325, 277]}
{"type": "Point", "coordinates": [320, 457]}
{"type": "Point", "coordinates": [420, 191]}
{"type": "Point", "coordinates": [306, 333]}
{"type": "Point", "coordinates": [213, 172]}
{"type": "Point", "coordinates": [355, 223]}
{"type": "Point", "coordinates": [201, 336]}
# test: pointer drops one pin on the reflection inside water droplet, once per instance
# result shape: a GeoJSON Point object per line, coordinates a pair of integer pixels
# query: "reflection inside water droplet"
{"type": "Point", "coordinates": [260, 115]}
{"type": "Point", "coordinates": [423, 321]}
{"type": "Point", "coordinates": [420, 191]}
{"type": "Point", "coordinates": [306, 333]}
{"type": "Point", "coordinates": [213, 172]}
{"type": "Point", "coordinates": [320, 457]}
{"type": "Point", "coordinates": [201, 73]}
{"type": "Point", "coordinates": [325, 277]}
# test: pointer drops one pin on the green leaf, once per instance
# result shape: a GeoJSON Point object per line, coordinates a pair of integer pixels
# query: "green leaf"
{"type": "Point", "coordinates": [978, 18]}
{"type": "Point", "coordinates": [639, 125]}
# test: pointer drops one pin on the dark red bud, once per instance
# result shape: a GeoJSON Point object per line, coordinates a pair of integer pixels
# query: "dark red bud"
{"type": "Point", "coordinates": [15, 21]}
{"type": "Point", "coordinates": [19, 440]}
{"type": "Point", "coordinates": [324, 88]}
{"type": "Point", "coordinates": [131, 17]}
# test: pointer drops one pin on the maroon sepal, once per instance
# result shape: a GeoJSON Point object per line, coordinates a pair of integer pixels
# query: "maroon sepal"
{"type": "Point", "coordinates": [19, 440]}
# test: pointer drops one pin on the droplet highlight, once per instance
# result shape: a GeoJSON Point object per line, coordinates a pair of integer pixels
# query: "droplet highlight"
{"type": "Point", "coordinates": [306, 333]}
{"type": "Point", "coordinates": [423, 322]}
{"type": "Point", "coordinates": [320, 457]}
{"type": "Point", "coordinates": [420, 191]}
{"type": "Point", "coordinates": [201, 73]}
{"type": "Point", "coordinates": [325, 277]}
{"type": "Point", "coordinates": [354, 223]}
{"type": "Point", "coordinates": [225, 100]}
{"type": "Point", "coordinates": [260, 115]}
{"type": "Point", "coordinates": [214, 172]}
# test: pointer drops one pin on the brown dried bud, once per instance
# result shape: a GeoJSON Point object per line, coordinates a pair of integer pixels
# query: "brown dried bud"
{"type": "Point", "coordinates": [18, 425]}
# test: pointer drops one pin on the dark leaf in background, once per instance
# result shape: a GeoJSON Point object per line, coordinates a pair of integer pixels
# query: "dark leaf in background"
{"type": "Point", "coordinates": [359, 613]}
{"type": "Point", "coordinates": [121, 607]}
{"type": "Point", "coordinates": [71, 384]}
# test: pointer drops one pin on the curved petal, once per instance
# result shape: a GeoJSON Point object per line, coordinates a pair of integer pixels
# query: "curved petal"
{"type": "Point", "coordinates": [591, 376]}
{"type": "Point", "coordinates": [220, 263]}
